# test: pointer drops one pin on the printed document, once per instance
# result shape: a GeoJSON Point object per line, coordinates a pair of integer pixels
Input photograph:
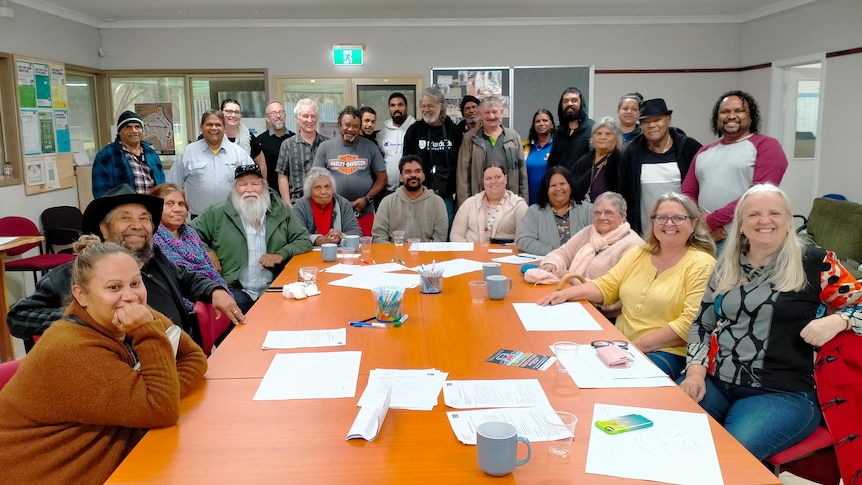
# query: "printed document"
{"type": "Point", "coordinates": [496, 393]}
{"type": "Point", "coordinates": [530, 422]}
{"type": "Point", "coordinates": [297, 339]}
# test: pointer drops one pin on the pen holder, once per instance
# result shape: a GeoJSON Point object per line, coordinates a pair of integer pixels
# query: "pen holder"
{"type": "Point", "coordinates": [388, 301]}
{"type": "Point", "coordinates": [430, 285]}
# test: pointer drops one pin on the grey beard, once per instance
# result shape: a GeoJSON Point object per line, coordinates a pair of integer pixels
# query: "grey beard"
{"type": "Point", "coordinates": [250, 211]}
{"type": "Point", "coordinates": [145, 254]}
{"type": "Point", "coordinates": [473, 120]}
{"type": "Point", "coordinates": [431, 119]}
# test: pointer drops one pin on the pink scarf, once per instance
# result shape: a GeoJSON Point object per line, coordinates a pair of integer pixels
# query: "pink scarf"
{"type": "Point", "coordinates": [597, 244]}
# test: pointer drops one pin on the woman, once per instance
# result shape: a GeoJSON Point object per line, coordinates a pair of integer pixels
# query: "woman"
{"type": "Point", "coordinates": [238, 133]}
{"type": "Point", "coordinates": [98, 378]}
{"type": "Point", "coordinates": [660, 284]}
{"type": "Point", "coordinates": [628, 111]}
{"type": "Point", "coordinates": [491, 215]}
{"type": "Point", "coordinates": [557, 215]}
{"type": "Point", "coordinates": [596, 171]}
{"type": "Point", "coordinates": [179, 241]}
{"type": "Point", "coordinates": [536, 150]}
{"type": "Point", "coordinates": [595, 249]}
{"type": "Point", "coordinates": [327, 216]}
{"type": "Point", "coordinates": [751, 347]}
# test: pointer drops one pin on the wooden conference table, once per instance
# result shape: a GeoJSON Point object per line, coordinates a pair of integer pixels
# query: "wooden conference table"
{"type": "Point", "coordinates": [7, 352]}
{"type": "Point", "coordinates": [223, 436]}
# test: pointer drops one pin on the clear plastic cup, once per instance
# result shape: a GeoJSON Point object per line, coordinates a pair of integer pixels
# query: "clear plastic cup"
{"type": "Point", "coordinates": [413, 245]}
{"type": "Point", "coordinates": [365, 244]}
{"type": "Point", "coordinates": [398, 238]}
{"type": "Point", "coordinates": [349, 256]}
{"type": "Point", "coordinates": [560, 426]}
{"type": "Point", "coordinates": [566, 353]}
{"type": "Point", "coordinates": [478, 291]}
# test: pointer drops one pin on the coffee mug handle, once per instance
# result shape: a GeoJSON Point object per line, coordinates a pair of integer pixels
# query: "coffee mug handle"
{"type": "Point", "coordinates": [508, 284]}
{"type": "Point", "coordinates": [529, 449]}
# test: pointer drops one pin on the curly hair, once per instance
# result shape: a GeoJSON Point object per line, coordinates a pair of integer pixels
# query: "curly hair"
{"type": "Point", "coordinates": [748, 101]}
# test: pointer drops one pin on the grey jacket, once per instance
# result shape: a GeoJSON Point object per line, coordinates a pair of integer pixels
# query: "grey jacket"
{"type": "Point", "coordinates": [343, 218]}
{"type": "Point", "coordinates": [471, 165]}
{"type": "Point", "coordinates": [538, 233]}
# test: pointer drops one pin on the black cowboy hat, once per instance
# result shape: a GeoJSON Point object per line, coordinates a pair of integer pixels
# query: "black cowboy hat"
{"type": "Point", "coordinates": [654, 107]}
{"type": "Point", "coordinates": [119, 195]}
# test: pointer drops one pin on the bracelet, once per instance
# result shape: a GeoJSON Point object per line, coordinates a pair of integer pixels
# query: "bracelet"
{"type": "Point", "coordinates": [846, 318]}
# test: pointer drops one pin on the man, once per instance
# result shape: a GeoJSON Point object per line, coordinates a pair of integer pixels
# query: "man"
{"type": "Point", "coordinates": [270, 141]}
{"type": "Point", "coordinates": [572, 137]}
{"type": "Point", "coordinates": [470, 113]}
{"type": "Point", "coordinates": [356, 164]}
{"type": "Point", "coordinates": [368, 123]}
{"type": "Point", "coordinates": [297, 153]}
{"type": "Point", "coordinates": [722, 171]}
{"type": "Point", "coordinates": [253, 235]}
{"type": "Point", "coordinates": [128, 160]}
{"type": "Point", "coordinates": [490, 142]}
{"type": "Point", "coordinates": [126, 218]}
{"type": "Point", "coordinates": [412, 208]}
{"type": "Point", "coordinates": [205, 169]}
{"type": "Point", "coordinates": [435, 139]}
{"type": "Point", "coordinates": [391, 137]}
{"type": "Point", "coordinates": [654, 162]}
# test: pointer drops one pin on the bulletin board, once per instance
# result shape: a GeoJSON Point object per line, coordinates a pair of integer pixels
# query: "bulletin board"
{"type": "Point", "coordinates": [455, 83]}
{"type": "Point", "coordinates": [522, 89]}
{"type": "Point", "coordinates": [43, 118]}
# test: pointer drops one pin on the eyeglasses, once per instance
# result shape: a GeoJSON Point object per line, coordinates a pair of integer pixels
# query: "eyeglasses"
{"type": "Point", "coordinates": [607, 343]}
{"type": "Point", "coordinates": [675, 220]}
{"type": "Point", "coordinates": [606, 213]}
{"type": "Point", "coordinates": [233, 112]}
{"type": "Point", "coordinates": [276, 113]}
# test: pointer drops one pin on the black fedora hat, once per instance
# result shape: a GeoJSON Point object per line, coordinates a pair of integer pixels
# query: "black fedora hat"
{"type": "Point", "coordinates": [119, 195]}
{"type": "Point", "coordinates": [654, 107]}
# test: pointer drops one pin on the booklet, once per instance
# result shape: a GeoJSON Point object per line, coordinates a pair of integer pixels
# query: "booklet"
{"type": "Point", "coordinates": [369, 419]}
{"type": "Point", "coordinates": [527, 360]}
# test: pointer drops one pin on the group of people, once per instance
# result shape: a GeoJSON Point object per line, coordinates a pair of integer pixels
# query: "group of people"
{"type": "Point", "coordinates": [630, 207]}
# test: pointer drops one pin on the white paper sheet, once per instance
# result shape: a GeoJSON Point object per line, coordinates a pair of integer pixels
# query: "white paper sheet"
{"type": "Point", "coordinates": [565, 316]}
{"type": "Point", "coordinates": [519, 258]}
{"type": "Point", "coordinates": [370, 418]}
{"type": "Point", "coordinates": [442, 246]}
{"type": "Point", "coordinates": [310, 375]}
{"type": "Point", "coordinates": [528, 421]}
{"type": "Point", "coordinates": [678, 448]}
{"type": "Point", "coordinates": [416, 389]}
{"type": "Point", "coordinates": [500, 251]}
{"type": "Point", "coordinates": [7, 240]}
{"type": "Point", "coordinates": [496, 393]}
{"type": "Point", "coordinates": [298, 339]}
{"type": "Point", "coordinates": [455, 267]}
{"type": "Point", "coordinates": [342, 268]}
{"type": "Point", "coordinates": [588, 372]}
{"type": "Point", "coordinates": [367, 280]}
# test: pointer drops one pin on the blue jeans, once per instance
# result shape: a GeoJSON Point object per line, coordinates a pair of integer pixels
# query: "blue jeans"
{"type": "Point", "coordinates": [764, 421]}
{"type": "Point", "coordinates": [450, 212]}
{"type": "Point", "coordinates": [670, 364]}
{"type": "Point", "coordinates": [243, 300]}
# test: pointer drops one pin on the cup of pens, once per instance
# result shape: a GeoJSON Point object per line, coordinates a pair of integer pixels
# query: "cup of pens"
{"type": "Point", "coordinates": [388, 300]}
{"type": "Point", "coordinates": [430, 279]}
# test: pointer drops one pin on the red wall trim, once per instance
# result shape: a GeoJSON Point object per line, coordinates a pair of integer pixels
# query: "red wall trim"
{"type": "Point", "coordinates": [847, 52]}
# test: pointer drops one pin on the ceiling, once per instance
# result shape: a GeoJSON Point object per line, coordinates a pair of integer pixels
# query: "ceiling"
{"type": "Point", "coordinates": [167, 13]}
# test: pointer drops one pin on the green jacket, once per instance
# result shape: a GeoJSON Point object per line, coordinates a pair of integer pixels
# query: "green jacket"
{"type": "Point", "coordinates": [220, 228]}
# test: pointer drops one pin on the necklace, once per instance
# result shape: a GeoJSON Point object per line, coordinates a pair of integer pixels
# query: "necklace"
{"type": "Point", "coordinates": [595, 170]}
{"type": "Point", "coordinates": [666, 146]}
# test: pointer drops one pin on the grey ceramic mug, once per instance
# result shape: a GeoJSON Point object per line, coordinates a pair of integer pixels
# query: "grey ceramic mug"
{"type": "Point", "coordinates": [352, 241]}
{"type": "Point", "coordinates": [498, 286]}
{"type": "Point", "coordinates": [489, 269]}
{"type": "Point", "coordinates": [497, 448]}
{"type": "Point", "coordinates": [329, 251]}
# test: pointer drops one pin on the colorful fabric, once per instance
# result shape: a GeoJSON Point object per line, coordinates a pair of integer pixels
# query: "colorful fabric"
{"type": "Point", "coordinates": [187, 250]}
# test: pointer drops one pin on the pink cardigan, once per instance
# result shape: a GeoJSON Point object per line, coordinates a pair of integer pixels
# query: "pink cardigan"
{"type": "Point", "coordinates": [470, 218]}
{"type": "Point", "coordinates": [603, 259]}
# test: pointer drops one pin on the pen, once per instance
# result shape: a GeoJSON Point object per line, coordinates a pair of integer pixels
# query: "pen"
{"type": "Point", "coordinates": [368, 324]}
{"type": "Point", "coordinates": [401, 322]}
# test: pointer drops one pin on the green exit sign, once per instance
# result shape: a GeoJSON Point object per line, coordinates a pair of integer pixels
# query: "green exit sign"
{"type": "Point", "coordinates": [347, 55]}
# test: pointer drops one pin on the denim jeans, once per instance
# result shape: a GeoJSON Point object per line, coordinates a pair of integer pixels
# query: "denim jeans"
{"type": "Point", "coordinates": [243, 301]}
{"type": "Point", "coordinates": [765, 421]}
{"type": "Point", "coordinates": [670, 364]}
{"type": "Point", "coordinates": [450, 213]}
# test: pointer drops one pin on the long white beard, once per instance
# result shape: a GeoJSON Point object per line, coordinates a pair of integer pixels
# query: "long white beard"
{"type": "Point", "coordinates": [251, 209]}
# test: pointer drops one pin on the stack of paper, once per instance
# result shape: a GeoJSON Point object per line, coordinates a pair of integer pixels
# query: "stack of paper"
{"type": "Point", "coordinates": [521, 402]}
{"type": "Point", "coordinates": [415, 389]}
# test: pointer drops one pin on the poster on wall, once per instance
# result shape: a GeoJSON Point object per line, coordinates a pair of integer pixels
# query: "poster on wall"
{"type": "Point", "coordinates": [43, 115]}
{"type": "Point", "coordinates": [158, 122]}
{"type": "Point", "coordinates": [456, 83]}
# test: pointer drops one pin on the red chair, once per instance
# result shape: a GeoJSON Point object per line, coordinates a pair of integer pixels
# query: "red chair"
{"type": "Point", "coordinates": [812, 459]}
{"type": "Point", "coordinates": [20, 226]}
{"type": "Point", "coordinates": [7, 370]}
{"type": "Point", "coordinates": [212, 329]}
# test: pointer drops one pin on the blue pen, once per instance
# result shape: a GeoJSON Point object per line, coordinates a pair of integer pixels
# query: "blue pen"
{"type": "Point", "coordinates": [368, 324]}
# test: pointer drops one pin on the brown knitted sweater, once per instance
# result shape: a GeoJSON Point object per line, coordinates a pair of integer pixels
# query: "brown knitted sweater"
{"type": "Point", "coordinates": [76, 406]}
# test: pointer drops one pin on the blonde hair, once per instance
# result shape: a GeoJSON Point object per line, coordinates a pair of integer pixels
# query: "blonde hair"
{"type": "Point", "coordinates": [787, 273]}
{"type": "Point", "coordinates": [699, 239]}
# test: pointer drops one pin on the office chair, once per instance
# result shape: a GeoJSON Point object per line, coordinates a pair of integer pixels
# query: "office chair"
{"type": "Point", "coordinates": [212, 329]}
{"type": "Point", "coordinates": [812, 459]}
{"type": "Point", "coordinates": [62, 227]}
{"type": "Point", "coordinates": [7, 370]}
